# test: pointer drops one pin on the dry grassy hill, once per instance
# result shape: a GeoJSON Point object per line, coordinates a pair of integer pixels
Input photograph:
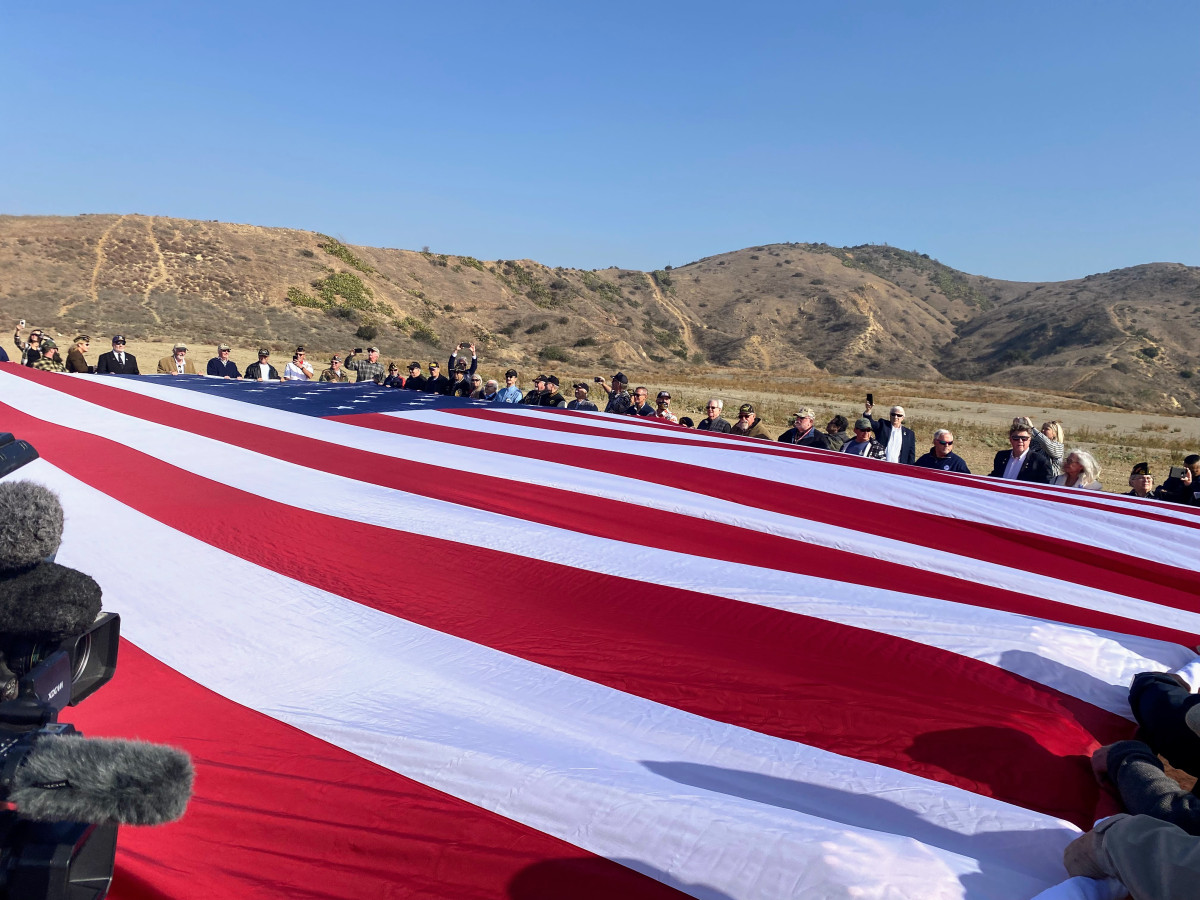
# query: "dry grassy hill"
{"type": "Point", "coordinates": [1124, 338]}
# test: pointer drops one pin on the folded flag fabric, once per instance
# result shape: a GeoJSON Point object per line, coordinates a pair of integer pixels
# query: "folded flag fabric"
{"type": "Point", "coordinates": [427, 647]}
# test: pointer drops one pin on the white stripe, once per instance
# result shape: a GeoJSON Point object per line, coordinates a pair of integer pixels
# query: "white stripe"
{"type": "Point", "coordinates": [1094, 666]}
{"type": "Point", "coordinates": [615, 774]}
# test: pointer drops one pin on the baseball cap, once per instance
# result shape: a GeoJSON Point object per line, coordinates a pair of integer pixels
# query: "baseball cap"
{"type": "Point", "coordinates": [179, 347]}
{"type": "Point", "coordinates": [369, 349]}
{"type": "Point", "coordinates": [864, 425]}
{"type": "Point", "coordinates": [553, 379]}
{"type": "Point", "coordinates": [335, 358]}
{"type": "Point", "coordinates": [414, 365]}
{"type": "Point", "coordinates": [745, 408]}
{"type": "Point", "coordinates": [806, 412]}
{"type": "Point", "coordinates": [664, 394]}
{"type": "Point", "coordinates": [264, 352]}
{"type": "Point", "coordinates": [221, 348]}
{"type": "Point", "coordinates": [511, 373]}
{"type": "Point", "coordinates": [580, 384]}
{"type": "Point", "coordinates": [118, 339]}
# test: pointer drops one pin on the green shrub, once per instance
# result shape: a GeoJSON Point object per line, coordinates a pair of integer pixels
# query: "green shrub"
{"type": "Point", "coordinates": [297, 297]}
{"type": "Point", "coordinates": [472, 262]}
{"type": "Point", "coordinates": [346, 286]}
{"type": "Point", "coordinates": [586, 342]}
{"type": "Point", "coordinates": [536, 327]}
{"type": "Point", "coordinates": [1186, 373]}
{"type": "Point", "coordinates": [422, 332]}
{"type": "Point", "coordinates": [367, 332]}
{"type": "Point", "coordinates": [342, 252]}
{"type": "Point", "coordinates": [553, 354]}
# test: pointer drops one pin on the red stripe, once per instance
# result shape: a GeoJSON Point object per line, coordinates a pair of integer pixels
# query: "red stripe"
{"type": "Point", "coordinates": [1065, 560]}
{"type": "Point", "coordinates": [855, 692]}
{"type": "Point", "coordinates": [615, 520]}
{"type": "Point", "coordinates": [279, 813]}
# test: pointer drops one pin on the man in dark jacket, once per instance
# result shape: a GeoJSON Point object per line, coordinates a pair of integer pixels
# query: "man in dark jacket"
{"type": "Point", "coordinates": [460, 384]}
{"type": "Point", "coordinates": [552, 396]}
{"type": "Point", "coordinates": [117, 362]}
{"type": "Point", "coordinates": [804, 432]}
{"type": "Point", "coordinates": [262, 370]}
{"type": "Point", "coordinates": [415, 380]}
{"type": "Point", "coordinates": [221, 366]}
{"type": "Point", "coordinates": [712, 420]}
{"type": "Point", "coordinates": [1021, 463]}
{"type": "Point", "coordinates": [640, 405]}
{"type": "Point", "coordinates": [533, 397]}
{"type": "Point", "coordinates": [899, 443]}
{"type": "Point", "coordinates": [940, 456]}
{"type": "Point", "coordinates": [436, 382]}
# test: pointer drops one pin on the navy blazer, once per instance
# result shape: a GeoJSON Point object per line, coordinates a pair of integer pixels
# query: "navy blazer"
{"type": "Point", "coordinates": [1035, 468]}
{"type": "Point", "coordinates": [908, 440]}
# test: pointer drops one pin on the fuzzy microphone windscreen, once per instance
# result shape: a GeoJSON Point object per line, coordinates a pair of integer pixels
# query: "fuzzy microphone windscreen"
{"type": "Point", "coordinates": [31, 523]}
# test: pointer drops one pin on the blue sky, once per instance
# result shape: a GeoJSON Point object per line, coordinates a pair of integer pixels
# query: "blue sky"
{"type": "Point", "coordinates": [1027, 141]}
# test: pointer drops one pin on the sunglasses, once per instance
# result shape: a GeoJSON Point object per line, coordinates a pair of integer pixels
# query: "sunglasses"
{"type": "Point", "coordinates": [946, 443]}
{"type": "Point", "coordinates": [1019, 440]}
{"type": "Point", "coordinates": [745, 415]}
{"type": "Point", "coordinates": [712, 407]}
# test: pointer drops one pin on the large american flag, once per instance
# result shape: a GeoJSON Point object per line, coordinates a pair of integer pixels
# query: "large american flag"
{"type": "Point", "coordinates": [421, 647]}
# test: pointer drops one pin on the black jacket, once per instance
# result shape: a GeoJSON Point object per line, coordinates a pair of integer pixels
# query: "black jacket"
{"type": "Point", "coordinates": [908, 440]}
{"type": "Point", "coordinates": [254, 372]}
{"type": "Point", "coordinates": [107, 365]}
{"type": "Point", "coordinates": [814, 438]}
{"type": "Point", "coordinates": [1035, 467]}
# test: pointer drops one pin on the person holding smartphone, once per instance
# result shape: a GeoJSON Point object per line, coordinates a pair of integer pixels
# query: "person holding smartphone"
{"type": "Point", "coordinates": [1183, 483]}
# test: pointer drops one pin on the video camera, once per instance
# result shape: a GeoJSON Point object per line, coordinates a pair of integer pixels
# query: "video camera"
{"type": "Point", "coordinates": [62, 796]}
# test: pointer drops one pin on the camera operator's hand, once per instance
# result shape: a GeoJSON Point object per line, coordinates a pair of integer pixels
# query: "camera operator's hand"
{"type": "Point", "coordinates": [472, 346]}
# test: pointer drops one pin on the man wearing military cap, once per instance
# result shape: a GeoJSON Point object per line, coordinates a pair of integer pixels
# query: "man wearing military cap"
{"type": "Point", "coordinates": [1140, 479]}
{"type": "Point", "coordinates": [336, 373]}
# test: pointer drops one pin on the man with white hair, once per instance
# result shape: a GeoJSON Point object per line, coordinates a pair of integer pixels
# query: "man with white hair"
{"type": "Point", "coordinates": [899, 443]}
{"type": "Point", "coordinates": [177, 363]}
{"type": "Point", "coordinates": [941, 456]}
{"type": "Point", "coordinates": [712, 420]}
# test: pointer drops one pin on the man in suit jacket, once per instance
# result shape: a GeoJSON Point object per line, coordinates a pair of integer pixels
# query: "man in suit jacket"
{"type": "Point", "coordinates": [177, 363]}
{"type": "Point", "coordinates": [899, 443]}
{"type": "Point", "coordinates": [1022, 462]}
{"type": "Point", "coordinates": [117, 362]}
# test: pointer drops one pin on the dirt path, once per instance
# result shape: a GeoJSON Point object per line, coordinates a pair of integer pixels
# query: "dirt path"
{"type": "Point", "coordinates": [101, 259]}
{"type": "Point", "coordinates": [685, 327]}
{"type": "Point", "coordinates": [160, 276]}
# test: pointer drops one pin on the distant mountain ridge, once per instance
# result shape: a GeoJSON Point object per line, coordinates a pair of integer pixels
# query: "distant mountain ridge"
{"type": "Point", "coordinates": [1125, 338]}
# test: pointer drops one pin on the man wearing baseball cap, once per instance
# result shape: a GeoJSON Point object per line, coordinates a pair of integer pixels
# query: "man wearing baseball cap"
{"type": "Point", "coordinates": [177, 363]}
{"type": "Point", "coordinates": [749, 424]}
{"type": "Point", "coordinates": [510, 393]}
{"type": "Point", "coordinates": [369, 369]}
{"type": "Point", "coordinates": [663, 408]}
{"type": "Point", "coordinates": [117, 361]}
{"type": "Point", "coordinates": [581, 403]}
{"type": "Point", "coordinates": [49, 361]}
{"type": "Point", "coordinates": [221, 366]}
{"type": "Point", "coordinates": [262, 370]}
{"type": "Point", "coordinates": [804, 433]}
{"type": "Point", "coordinates": [415, 380]}
{"type": "Point", "coordinates": [619, 399]}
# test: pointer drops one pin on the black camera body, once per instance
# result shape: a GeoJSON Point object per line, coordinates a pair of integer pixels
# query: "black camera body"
{"type": "Point", "coordinates": [62, 795]}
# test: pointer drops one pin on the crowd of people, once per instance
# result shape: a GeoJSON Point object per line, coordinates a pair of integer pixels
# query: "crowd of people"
{"type": "Point", "coordinates": [1037, 455]}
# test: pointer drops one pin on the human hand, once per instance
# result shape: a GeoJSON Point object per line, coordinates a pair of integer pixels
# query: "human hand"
{"type": "Point", "coordinates": [1081, 855]}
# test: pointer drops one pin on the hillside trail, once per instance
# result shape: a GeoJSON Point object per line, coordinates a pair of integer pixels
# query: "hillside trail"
{"type": "Point", "coordinates": [160, 277]}
{"type": "Point", "coordinates": [674, 310]}
{"type": "Point", "coordinates": [861, 343]}
{"type": "Point", "coordinates": [93, 295]}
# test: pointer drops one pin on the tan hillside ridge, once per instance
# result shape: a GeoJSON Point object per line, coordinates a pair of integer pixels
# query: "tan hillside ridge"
{"type": "Point", "coordinates": [785, 313]}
